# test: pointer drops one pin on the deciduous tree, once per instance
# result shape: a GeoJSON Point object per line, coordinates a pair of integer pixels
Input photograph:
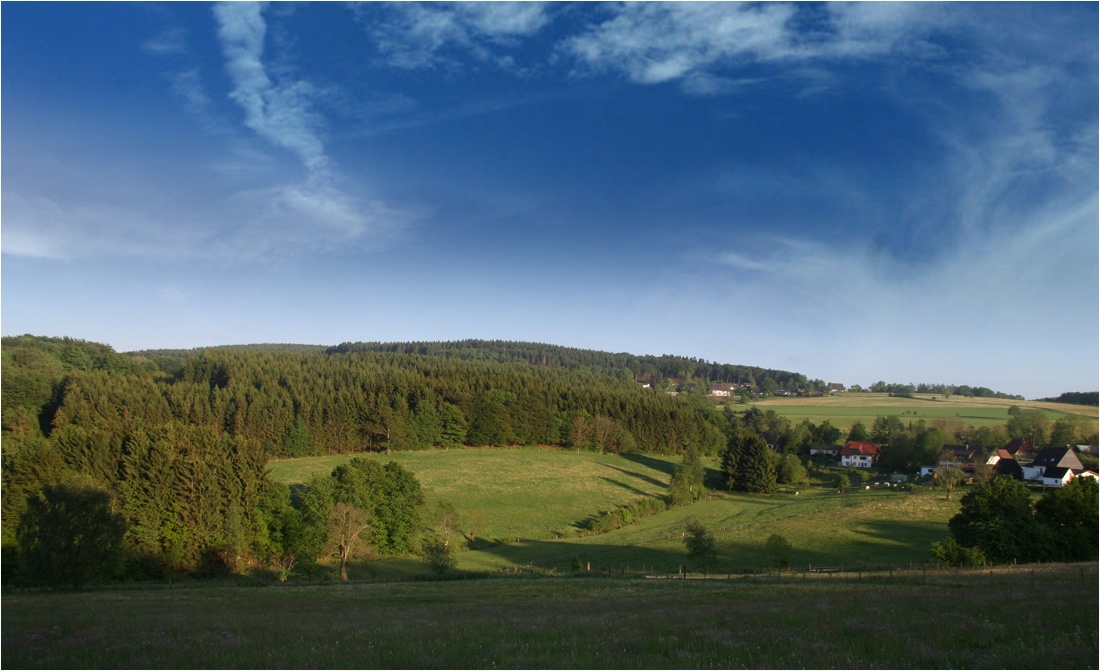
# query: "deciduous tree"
{"type": "Point", "coordinates": [998, 519]}
{"type": "Point", "coordinates": [687, 481]}
{"type": "Point", "coordinates": [70, 535]}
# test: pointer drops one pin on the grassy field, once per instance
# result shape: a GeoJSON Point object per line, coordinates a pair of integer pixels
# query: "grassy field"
{"type": "Point", "coordinates": [527, 508]}
{"type": "Point", "coordinates": [514, 493]}
{"type": "Point", "coordinates": [843, 410]}
{"type": "Point", "coordinates": [1022, 618]}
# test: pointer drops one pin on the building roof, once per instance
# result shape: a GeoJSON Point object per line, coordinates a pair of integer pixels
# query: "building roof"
{"type": "Point", "coordinates": [1056, 473]}
{"type": "Point", "coordinates": [1009, 466]}
{"type": "Point", "coordinates": [962, 452]}
{"type": "Point", "coordinates": [1061, 457]}
{"type": "Point", "coordinates": [855, 447]}
{"type": "Point", "coordinates": [1017, 445]}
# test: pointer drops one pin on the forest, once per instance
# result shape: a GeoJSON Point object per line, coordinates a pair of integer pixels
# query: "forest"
{"type": "Point", "coordinates": [177, 442]}
{"type": "Point", "coordinates": [162, 454]}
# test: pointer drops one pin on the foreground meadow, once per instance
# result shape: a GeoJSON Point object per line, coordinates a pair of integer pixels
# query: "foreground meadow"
{"type": "Point", "coordinates": [1022, 618]}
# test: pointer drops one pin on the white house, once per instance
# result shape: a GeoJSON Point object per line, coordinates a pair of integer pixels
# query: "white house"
{"type": "Point", "coordinates": [858, 454]}
{"type": "Point", "coordinates": [1056, 477]}
{"type": "Point", "coordinates": [1053, 467]}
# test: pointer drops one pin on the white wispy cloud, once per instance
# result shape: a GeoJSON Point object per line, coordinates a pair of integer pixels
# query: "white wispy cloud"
{"type": "Point", "coordinates": [281, 112]}
{"type": "Point", "coordinates": [415, 35]}
{"type": "Point", "coordinates": [172, 41]}
{"type": "Point", "coordinates": [652, 43]}
{"type": "Point", "coordinates": [657, 42]}
{"type": "Point", "coordinates": [1012, 195]}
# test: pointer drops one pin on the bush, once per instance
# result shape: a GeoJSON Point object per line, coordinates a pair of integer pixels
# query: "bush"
{"type": "Point", "coordinates": [438, 556]}
{"type": "Point", "coordinates": [791, 471]}
{"type": "Point", "coordinates": [779, 549]}
{"type": "Point", "coordinates": [699, 541]}
{"type": "Point", "coordinates": [621, 517]}
{"type": "Point", "coordinates": [949, 552]}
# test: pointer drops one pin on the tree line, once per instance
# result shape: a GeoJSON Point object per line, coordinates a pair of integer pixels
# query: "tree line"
{"type": "Point", "coordinates": [179, 453]}
{"type": "Point", "coordinates": [171, 446]}
{"type": "Point", "coordinates": [946, 390]}
{"type": "Point", "coordinates": [1076, 398]}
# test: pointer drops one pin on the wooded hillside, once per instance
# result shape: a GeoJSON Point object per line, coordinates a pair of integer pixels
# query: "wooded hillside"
{"type": "Point", "coordinates": [180, 440]}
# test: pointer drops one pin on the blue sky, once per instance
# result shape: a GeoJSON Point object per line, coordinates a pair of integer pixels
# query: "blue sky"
{"type": "Point", "coordinates": [858, 192]}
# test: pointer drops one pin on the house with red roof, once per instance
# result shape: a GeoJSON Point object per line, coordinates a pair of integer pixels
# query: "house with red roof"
{"type": "Point", "coordinates": [859, 454]}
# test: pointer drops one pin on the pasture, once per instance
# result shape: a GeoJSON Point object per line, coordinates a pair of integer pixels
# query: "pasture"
{"type": "Point", "coordinates": [526, 508]}
{"type": "Point", "coordinates": [514, 493]}
{"type": "Point", "coordinates": [845, 409]}
{"type": "Point", "coordinates": [1011, 618]}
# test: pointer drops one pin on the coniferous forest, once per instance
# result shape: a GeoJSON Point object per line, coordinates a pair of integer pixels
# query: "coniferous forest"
{"type": "Point", "coordinates": [176, 442]}
{"type": "Point", "coordinates": [150, 463]}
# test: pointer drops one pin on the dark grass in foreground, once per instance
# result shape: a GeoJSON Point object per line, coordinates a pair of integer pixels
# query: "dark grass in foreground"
{"type": "Point", "coordinates": [1041, 617]}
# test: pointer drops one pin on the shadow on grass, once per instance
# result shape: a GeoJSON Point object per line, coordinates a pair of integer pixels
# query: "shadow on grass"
{"type": "Point", "coordinates": [625, 486]}
{"type": "Point", "coordinates": [661, 465]}
{"type": "Point", "coordinates": [874, 545]}
{"type": "Point", "coordinates": [644, 478]}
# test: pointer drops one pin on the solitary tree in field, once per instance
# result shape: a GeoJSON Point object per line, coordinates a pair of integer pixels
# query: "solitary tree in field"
{"type": "Point", "coordinates": [438, 555]}
{"type": "Point", "coordinates": [948, 477]}
{"type": "Point", "coordinates": [779, 549]}
{"type": "Point", "coordinates": [699, 541]}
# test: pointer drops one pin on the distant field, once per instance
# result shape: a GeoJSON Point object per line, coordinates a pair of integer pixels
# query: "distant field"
{"type": "Point", "coordinates": [844, 410]}
{"type": "Point", "coordinates": [528, 503]}
{"type": "Point", "coordinates": [1022, 618]}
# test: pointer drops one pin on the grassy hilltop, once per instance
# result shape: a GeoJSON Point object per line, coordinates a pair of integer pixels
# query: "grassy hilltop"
{"type": "Point", "coordinates": [845, 409]}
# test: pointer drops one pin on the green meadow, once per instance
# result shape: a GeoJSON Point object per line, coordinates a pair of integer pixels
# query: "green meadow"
{"type": "Point", "coordinates": [514, 493]}
{"type": "Point", "coordinates": [533, 590]}
{"type": "Point", "coordinates": [526, 508]}
{"type": "Point", "coordinates": [1010, 618]}
{"type": "Point", "coordinates": [845, 409]}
